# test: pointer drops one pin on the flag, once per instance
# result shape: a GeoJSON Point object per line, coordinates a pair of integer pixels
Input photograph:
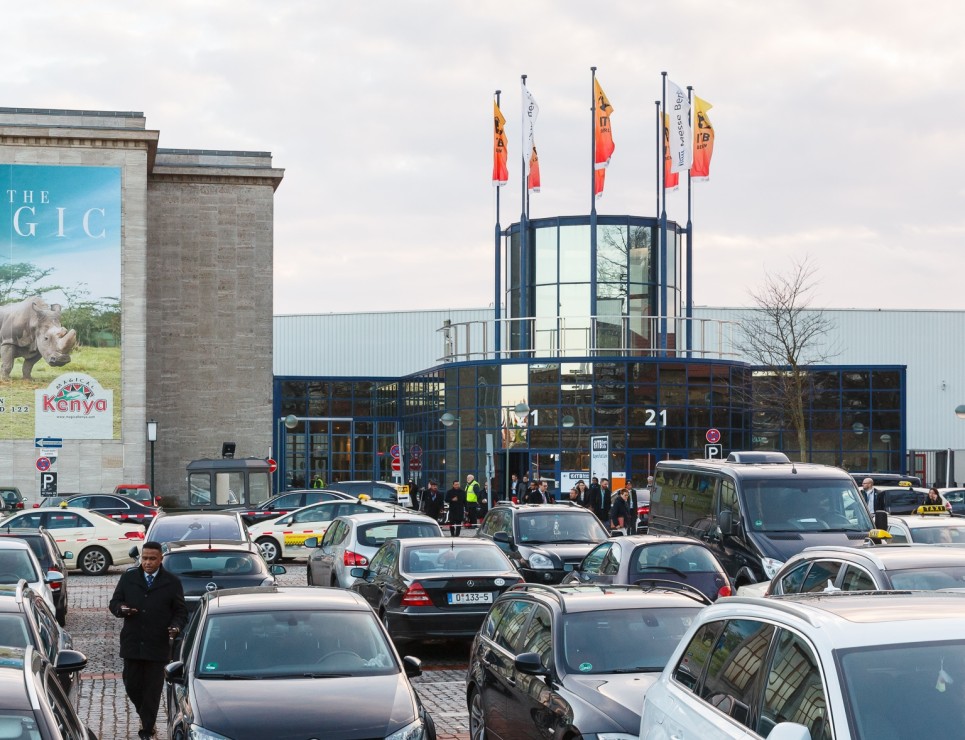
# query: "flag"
{"type": "Point", "coordinates": [500, 153]}
{"type": "Point", "coordinates": [671, 179]}
{"type": "Point", "coordinates": [599, 177]}
{"type": "Point", "coordinates": [703, 140]}
{"type": "Point", "coordinates": [604, 134]}
{"type": "Point", "coordinates": [532, 182]}
{"type": "Point", "coordinates": [530, 114]}
{"type": "Point", "coordinates": [681, 139]}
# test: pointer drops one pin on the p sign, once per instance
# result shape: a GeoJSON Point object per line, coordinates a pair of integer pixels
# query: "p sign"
{"type": "Point", "coordinates": [48, 484]}
{"type": "Point", "coordinates": [714, 452]}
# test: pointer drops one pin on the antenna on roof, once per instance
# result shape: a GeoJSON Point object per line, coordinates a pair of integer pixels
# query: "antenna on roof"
{"type": "Point", "coordinates": [793, 468]}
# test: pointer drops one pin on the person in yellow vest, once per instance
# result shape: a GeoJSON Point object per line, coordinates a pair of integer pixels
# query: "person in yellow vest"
{"type": "Point", "coordinates": [319, 482]}
{"type": "Point", "coordinates": [473, 494]}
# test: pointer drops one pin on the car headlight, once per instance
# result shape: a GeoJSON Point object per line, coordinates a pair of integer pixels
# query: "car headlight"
{"type": "Point", "coordinates": [771, 566]}
{"type": "Point", "coordinates": [539, 561]}
{"type": "Point", "coordinates": [199, 733]}
{"type": "Point", "coordinates": [414, 731]}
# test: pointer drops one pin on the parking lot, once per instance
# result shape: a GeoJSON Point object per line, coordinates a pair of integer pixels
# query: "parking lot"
{"type": "Point", "coordinates": [104, 706]}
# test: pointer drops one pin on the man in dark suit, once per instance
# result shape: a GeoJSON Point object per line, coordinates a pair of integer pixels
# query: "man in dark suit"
{"type": "Point", "coordinates": [150, 600]}
{"type": "Point", "coordinates": [432, 502]}
{"type": "Point", "coordinates": [595, 497]}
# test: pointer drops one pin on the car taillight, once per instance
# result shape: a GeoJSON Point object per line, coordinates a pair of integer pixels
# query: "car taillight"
{"type": "Point", "coordinates": [20, 504]}
{"type": "Point", "coordinates": [352, 559]}
{"type": "Point", "coordinates": [724, 591]}
{"type": "Point", "coordinates": [415, 595]}
{"type": "Point", "coordinates": [643, 510]}
{"type": "Point", "coordinates": [136, 535]}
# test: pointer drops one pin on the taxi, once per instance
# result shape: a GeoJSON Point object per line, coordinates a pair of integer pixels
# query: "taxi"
{"type": "Point", "coordinates": [930, 525]}
{"type": "Point", "coordinates": [285, 537]}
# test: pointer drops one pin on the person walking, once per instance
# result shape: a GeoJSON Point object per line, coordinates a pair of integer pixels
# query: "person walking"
{"type": "Point", "coordinates": [595, 496]}
{"type": "Point", "coordinates": [632, 505]}
{"type": "Point", "coordinates": [620, 511]}
{"type": "Point", "coordinates": [150, 600]}
{"type": "Point", "coordinates": [517, 490]}
{"type": "Point", "coordinates": [608, 498]}
{"type": "Point", "coordinates": [870, 493]}
{"type": "Point", "coordinates": [473, 492]}
{"type": "Point", "coordinates": [456, 498]}
{"type": "Point", "coordinates": [584, 493]}
{"type": "Point", "coordinates": [432, 501]}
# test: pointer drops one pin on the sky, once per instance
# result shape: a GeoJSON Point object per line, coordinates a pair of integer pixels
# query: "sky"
{"type": "Point", "coordinates": [836, 130]}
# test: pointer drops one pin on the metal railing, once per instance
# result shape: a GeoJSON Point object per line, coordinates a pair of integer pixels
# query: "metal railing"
{"type": "Point", "coordinates": [589, 336]}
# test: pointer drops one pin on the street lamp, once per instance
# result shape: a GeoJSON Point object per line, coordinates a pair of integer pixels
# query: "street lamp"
{"type": "Point", "coordinates": [152, 438]}
{"type": "Point", "coordinates": [886, 438]}
{"type": "Point", "coordinates": [568, 422]}
{"type": "Point", "coordinates": [960, 411]}
{"type": "Point", "coordinates": [448, 420]}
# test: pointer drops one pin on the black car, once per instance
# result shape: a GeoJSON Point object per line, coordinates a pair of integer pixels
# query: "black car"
{"type": "Point", "coordinates": [199, 526]}
{"type": "Point", "coordinates": [289, 664]}
{"type": "Point", "coordinates": [645, 558]}
{"type": "Point", "coordinates": [204, 567]}
{"type": "Point", "coordinates": [434, 587]}
{"type": "Point", "coordinates": [25, 619]}
{"type": "Point", "coordinates": [114, 506]}
{"type": "Point", "coordinates": [374, 489]}
{"type": "Point", "coordinates": [34, 704]}
{"type": "Point", "coordinates": [544, 541]}
{"type": "Point", "coordinates": [573, 661]}
{"type": "Point", "coordinates": [11, 499]}
{"type": "Point", "coordinates": [287, 502]}
{"type": "Point", "coordinates": [48, 553]}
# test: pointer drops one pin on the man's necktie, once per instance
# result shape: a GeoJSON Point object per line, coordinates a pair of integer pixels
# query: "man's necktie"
{"type": "Point", "coordinates": [150, 579]}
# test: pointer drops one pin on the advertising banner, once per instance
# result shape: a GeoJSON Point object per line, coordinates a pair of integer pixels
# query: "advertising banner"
{"type": "Point", "coordinates": [600, 456]}
{"type": "Point", "coordinates": [60, 301]}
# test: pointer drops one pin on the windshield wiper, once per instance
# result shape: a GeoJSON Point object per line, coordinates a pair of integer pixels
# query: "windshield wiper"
{"type": "Point", "coordinates": [320, 675]}
{"type": "Point", "coordinates": [569, 542]}
{"type": "Point", "coordinates": [638, 669]}
{"type": "Point", "coordinates": [235, 676]}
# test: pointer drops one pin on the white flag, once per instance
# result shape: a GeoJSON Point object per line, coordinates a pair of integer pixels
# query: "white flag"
{"type": "Point", "coordinates": [530, 113]}
{"type": "Point", "coordinates": [681, 137]}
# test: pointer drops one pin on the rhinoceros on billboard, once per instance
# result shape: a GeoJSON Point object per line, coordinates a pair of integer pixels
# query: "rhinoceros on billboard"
{"type": "Point", "coordinates": [32, 330]}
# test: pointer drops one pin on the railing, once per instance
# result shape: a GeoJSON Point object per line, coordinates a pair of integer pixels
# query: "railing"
{"type": "Point", "coordinates": [589, 336]}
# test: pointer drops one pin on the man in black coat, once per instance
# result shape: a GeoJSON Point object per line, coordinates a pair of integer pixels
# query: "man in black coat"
{"type": "Point", "coordinates": [432, 503]}
{"type": "Point", "coordinates": [150, 600]}
{"type": "Point", "coordinates": [456, 498]}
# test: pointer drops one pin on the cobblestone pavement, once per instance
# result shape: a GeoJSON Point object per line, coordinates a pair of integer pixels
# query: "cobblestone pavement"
{"type": "Point", "coordinates": [103, 705]}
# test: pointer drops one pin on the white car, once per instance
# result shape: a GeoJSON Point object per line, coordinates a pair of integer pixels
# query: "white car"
{"type": "Point", "coordinates": [285, 536]}
{"type": "Point", "coordinates": [87, 540]}
{"type": "Point", "coordinates": [17, 561]}
{"type": "Point", "coordinates": [931, 528]}
{"type": "Point", "coordinates": [352, 540]}
{"type": "Point", "coordinates": [869, 666]}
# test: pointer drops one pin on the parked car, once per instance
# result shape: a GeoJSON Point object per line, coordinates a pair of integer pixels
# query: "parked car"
{"type": "Point", "coordinates": [544, 541]}
{"type": "Point", "coordinates": [285, 537]}
{"type": "Point", "coordinates": [391, 493]}
{"type": "Point", "coordinates": [224, 526]}
{"type": "Point", "coordinates": [430, 587]}
{"type": "Point", "coordinates": [816, 666]}
{"type": "Point", "coordinates": [901, 499]}
{"type": "Point", "coordinates": [927, 527]}
{"type": "Point", "coordinates": [48, 554]}
{"type": "Point", "coordinates": [887, 479]}
{"type": "Point", "coordinates": [310, 662]}
{"type": "Point", "coordinates": [18, 563]}
{"type": "Point", "coordinates": [118, 508]}
{"type": "Point", "coordinates": [26, 619]}
{"type": "Point", "coordinates": [33, 700]}
{"type": "Point", "coordinates": [86, 539]}
{"type": "Point", "coordinates": [955, 497]}
{"type": "Point", "coordinates": [351, 541]}
{"type": "Point", "coordinates": [288, 502]}
{"type": "Point", "coordinates": [572, 661]}
{"type": "Point", "coordinates": [140, 492]}
{"type": "Point", "coordinates": [646, 558]}
{"type": "Point", "coordinates": [12, 499]}
{"type": "Point", "coordinates": [204, 567]}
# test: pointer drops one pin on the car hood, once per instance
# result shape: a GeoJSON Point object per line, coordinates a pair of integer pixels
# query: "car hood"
{"type": "Point", "coordinates": [569, 552]}
{"type": "Point", "coordinates": [618, 696]}
{"type": "Point", "coordinates": [782, 545]}
{"type": "Point", "coordinates": [338, 708]}
{"type": "Point", "coordinates": [198, 586]}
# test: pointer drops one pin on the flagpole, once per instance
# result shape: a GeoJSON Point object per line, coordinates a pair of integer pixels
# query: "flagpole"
{"type": "Point", "coordinates": [593, 316]}
{"type": "Point", "coordinates": [656, 211]}
{"type": "Point", "coordinates": [523, 262]}
{"type": "Point", "coordinates": [689, 312]}
{"type": "Point", "coordinates": [663, 230]}
{"type": "Point", "coordinates": [497, 329]}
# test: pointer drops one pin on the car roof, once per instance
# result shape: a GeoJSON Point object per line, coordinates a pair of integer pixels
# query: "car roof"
{"type": "Point", "coordinates": [650, 539]}
{"type": "Point", "coordinates": [214, 545]}
{"type": "Point", "coordinates": [278, 598]}
{"type": "Point", "coordinates": [446, 540]}
{"type": "Point", "coordinates": [388, 516]}
{"type": "Point", "coordinates": [893, 556]}
{"type": "Point", "coordinates": [578, 598]}
{"type": "Point", "coordinates": [918, 521]}
{"type": "Point", "coordinates": [755, 470]}
{"type": "Point", "coordinates": [12, 543]}
{"type": "Point", "coordinates": [198, 514]}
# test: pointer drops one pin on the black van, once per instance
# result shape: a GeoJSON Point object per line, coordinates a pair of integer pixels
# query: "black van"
{"type": "Point", "coordinates": [756, 509]}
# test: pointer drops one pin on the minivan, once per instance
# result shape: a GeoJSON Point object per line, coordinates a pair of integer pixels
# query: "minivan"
{"type": "Point", "coordinates": [756, 509]}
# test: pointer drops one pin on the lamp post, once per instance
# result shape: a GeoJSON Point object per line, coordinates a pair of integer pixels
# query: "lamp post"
{"type": "Point", "coordinates": [886, 438]}
{"type": "Point", "coordinates": [152, 438]}
{"type": "Point", "coordinates": [448, 420]}
{"type": "Point", "coordinates": [960, 411]}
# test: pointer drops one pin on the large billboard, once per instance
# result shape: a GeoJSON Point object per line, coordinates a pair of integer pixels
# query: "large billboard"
{"type": "Point", "coordinates": [60, 302]}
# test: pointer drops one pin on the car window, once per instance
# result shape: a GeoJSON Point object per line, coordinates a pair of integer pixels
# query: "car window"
{"type": "Point", "coordinates": [189, 528]}
{"type": "Point", "coordinates": [511, 624]}
{"type": "Point", "coordinates": [316, 497]}
{"type": "Point", "coordinates": [857, 579]}
{"type": "Point", "coordinates": [551, 526]}
{"type": "Point", "coordinates": [538, 637]}
{"type": "Point", "coordinates": [351, 507]}
{"type": "Point", "coordinates": [379, 559]}
{"type": "Point", "coordinates": [47, 627]}
{"type": "Point", "coordinates": [81, 502]}
{"type": "Point", "coordinates": [593, 562]}
{"type": "Point", "coordinates": [678, 555]}
{"type": "Point", "coordinates": [64, 717]}
{"type": "Point", "coordinates": [17, 564]}
{"type": "Point", "coordinates": [13, 631]}
{"type": "Point", "coordinates": [690, 669]}
{"type": "Point", "coordinates": [288, 501]}
{"type": "Point", "coordinates": [65, 520]}
{"type": "Point", "coordinates": [611, 562]}
{"type": "Point", "coordinates": [793, 691]}
{"type": "Point", "coordinates": [319, 514]}
{"type": "Point", "coordinates": [735, 663]}
{"type": "Point", "coordinates": [377, 533]}
{"type": "Point", "coordinates": [790, 582]}
{"type": "Point", "coordinates": [897, 533]}
{"type": "Point", "coordinates": [109, 502]}
{"type": "Point", "coordinates": [214, 563]}
{"type": "Point", "coordinates": [821, 576]}
{"type": "Point", "coordinates": [937, 535]}
{"type": "Point", "coordinates": [27, 521]}
{"type": "Point", "coordinates": [336, 534]}
{"type": "Point", "coordinates": [37, 545]}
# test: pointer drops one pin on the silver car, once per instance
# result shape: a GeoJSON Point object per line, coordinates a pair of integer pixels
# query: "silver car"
{"type": "Point", "coordinates": [352, 540]}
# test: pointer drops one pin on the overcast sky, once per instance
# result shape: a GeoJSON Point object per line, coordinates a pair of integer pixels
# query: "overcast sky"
{"type": "Point", "coordinates": [837, 124]}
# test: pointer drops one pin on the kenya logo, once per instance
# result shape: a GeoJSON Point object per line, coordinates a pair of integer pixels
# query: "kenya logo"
{"type": "Point", "coordinates": [74, 397]}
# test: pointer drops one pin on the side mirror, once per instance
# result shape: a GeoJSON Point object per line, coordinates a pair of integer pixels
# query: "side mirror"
{"type": "Point", "coordinates": [69, 555]}
{"type": "Point", "coordinates": [504, 541]}
{"type": "Point", "coordinates": [359, 572]}
{"type": "Point", "coordinates": [174, 672]}
{"type": "Point", "coordinates": [133, 552]}
{"type": "Point", "coordinates": [278, 570]}
{"type": "Point", "coordinates": [725, 521]}
{"type": "Point", "coordinates": [412, 666]}
{"type": "Point", "coordinates": [530, 664]}
{"type": "Point", "coordinates": [881, 520]}
{"type": "Point", "coordinates": [789, 731]}
{"type": "Point", "coordinates": [54, 577]}
{"type": "Point", "coordinates": [568, 567]}
{"type": "Point", "coordinates": [310, 542]}
{"type": "Point", "coordinates": [68, 661]}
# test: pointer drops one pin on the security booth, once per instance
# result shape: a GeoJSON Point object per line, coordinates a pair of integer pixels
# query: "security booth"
{"type": "Point", "coordinates": [226, 483]}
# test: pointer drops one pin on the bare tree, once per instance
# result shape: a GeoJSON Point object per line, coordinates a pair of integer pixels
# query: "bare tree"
{"type": "Point", "coordinates": [786, 337]}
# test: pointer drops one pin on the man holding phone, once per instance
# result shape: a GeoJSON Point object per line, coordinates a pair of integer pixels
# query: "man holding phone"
{"type": "Point", "coordinates": [150, 600]}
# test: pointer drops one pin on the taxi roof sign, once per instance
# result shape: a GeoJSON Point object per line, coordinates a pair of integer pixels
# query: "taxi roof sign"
{"type": "Point", "coordinates": [932, 510]}
{"type": "Point", "coordinates": [905, 483]}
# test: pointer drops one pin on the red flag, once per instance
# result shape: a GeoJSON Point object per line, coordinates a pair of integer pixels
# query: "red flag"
{"type": "Point", "coordinates": [599, 177]}
{"type": "Point", "coordinates": [703, 140]}
{"type": "Point", "coordinates": [604, 133]}
{"type": "Point", "coordinates": [670, 179]}
{"type": "Point", "coordinates": [500, 152]}
{"type": "Point", "coordinates": [532, 180]}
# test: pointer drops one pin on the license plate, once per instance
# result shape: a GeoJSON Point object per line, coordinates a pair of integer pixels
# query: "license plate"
{"type": "Point", "coordinates": [471, 598]}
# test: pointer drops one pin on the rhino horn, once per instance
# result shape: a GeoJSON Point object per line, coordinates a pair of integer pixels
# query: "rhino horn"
{"type": "Point", "coordinates": [66, 343]}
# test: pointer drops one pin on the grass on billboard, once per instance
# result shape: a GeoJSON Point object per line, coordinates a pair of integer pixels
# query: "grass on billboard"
{"type": "Point", "coordinates": [17, 395]}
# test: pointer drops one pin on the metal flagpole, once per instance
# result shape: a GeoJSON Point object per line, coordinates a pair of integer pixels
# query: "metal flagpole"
{"type": "Point", "coordinates": [593, 123]}
{"type": "Point", "coordinates": [663, 229]}
{"type": "Point", "coordinates": [689, 312]}
{"type": "Point", "coordinates": [523, 228]}
{"type": "Point", "coordinates": [497, 333]}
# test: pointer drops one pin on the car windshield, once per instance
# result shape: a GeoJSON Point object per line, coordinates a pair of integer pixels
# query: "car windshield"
{"type": "Point", "coordinates": [179, 529]}
{"type": "Point", "coordinates": [538, 527]}
{"type": "Point", "coordinates": [915, 689]}
{"type": "Point", "coordinates": [375, 535]}
{"type": "Point", "coordinates": [215, 563]}
{"type": "Point", "coordinates": [36, 544]}
{"type": "Point", "coordinates": [623, 640]}
{"type": "Point", "coordinates": [938, 535]}
{"type": "Point", "coordinates": [13, 632]}
{"type": "Point", "coordinates": [780, 505]}
{"type": "Point", "coordinates": [928, 578]}
{"type": "Point", "coordinates": [293, 644]}
{"type": "Point", "coordinates": [16, 564]}
{"type": "Point", "coordinates": [448, 558]}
